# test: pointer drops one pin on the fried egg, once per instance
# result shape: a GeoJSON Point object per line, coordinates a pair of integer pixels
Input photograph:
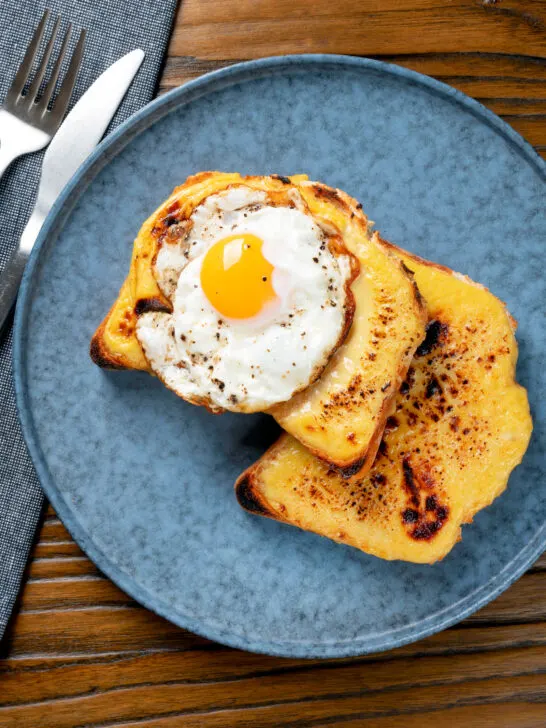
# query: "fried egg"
{"type": "Point", "coordinates": [261, 299]}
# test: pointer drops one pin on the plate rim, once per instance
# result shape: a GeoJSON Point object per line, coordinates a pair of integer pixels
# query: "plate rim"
{"type": "Point", "coordinates": [105, 151]}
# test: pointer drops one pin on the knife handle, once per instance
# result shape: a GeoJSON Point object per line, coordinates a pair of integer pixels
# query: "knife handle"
{"type": "Point", "coordinates": [10, 280]}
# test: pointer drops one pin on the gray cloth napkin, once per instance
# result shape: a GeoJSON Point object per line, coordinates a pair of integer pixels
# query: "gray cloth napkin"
{"type": "Point", "coordinates": [114, 27]}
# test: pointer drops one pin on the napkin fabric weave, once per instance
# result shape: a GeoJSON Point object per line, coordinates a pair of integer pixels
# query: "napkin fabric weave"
{"type": "Point", "coordinates": [114, 27]}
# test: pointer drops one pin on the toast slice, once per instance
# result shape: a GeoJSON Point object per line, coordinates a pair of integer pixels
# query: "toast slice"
{"type": "Point", "coordinates": [341, 417]}
{"type": "Point", "coordinates": [459, 426]}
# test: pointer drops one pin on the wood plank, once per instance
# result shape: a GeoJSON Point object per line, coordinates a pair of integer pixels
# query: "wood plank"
{"type": "Point", "coordinates": [106, 631]}
{"type": "Point", "coordinates": [513, 107]}
{"type": "Point", "coordinates": [193, 12]}
{"type": "Point", "coordinates": [264, 705]}
{"type": "Point", "coordinates": [99, 629]}
{"type": "Point", "coordinates": [498, 88]}
{"type": "Point", "coordinates": [497, 70]}
{"type": "Point", "coordinates": [61, 568]}
{"type": "Point", "coordinates": [53, 531]}
{"type": "Point", "coordinates": [489, 66]}
{"type": "Point", "coordinates": [532, 128]}
{"type": "Point", "coordinates": [49, 512]}
{"type": "Point", "coordinates": [72, 593]}
{"type": "Point", "coordinates": [457, 640]}
{"type": "Point", "coordinates": [199, 672]}
{"type": "Point", "coordinates": [499, 715]}
{"type": "Point", "coordinates": [44, 550]}
{"type": "Point", "coordinates": [495, 715]}
{"type": "Point", "coordinates": [523, 602]}
{"type": "Point", "coordinates": [469, 28]}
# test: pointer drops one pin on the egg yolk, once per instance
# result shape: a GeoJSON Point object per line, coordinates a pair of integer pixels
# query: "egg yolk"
{"type": "Point", "coordinates": [236, 278]}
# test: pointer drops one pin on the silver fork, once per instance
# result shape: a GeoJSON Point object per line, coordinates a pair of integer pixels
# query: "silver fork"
{"type": "Point", "coordinates": [27, 123]}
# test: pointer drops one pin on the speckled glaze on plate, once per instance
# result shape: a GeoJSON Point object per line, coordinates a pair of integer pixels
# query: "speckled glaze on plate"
{"type": "Point", "coordinates": [144, 482]}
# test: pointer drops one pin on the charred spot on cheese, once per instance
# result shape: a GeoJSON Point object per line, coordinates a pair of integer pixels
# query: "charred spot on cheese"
{"type": "Point", "coordinates": [436, 330]}
{"type": "Point", "coordinates": [391, 424]}
{"type": "Point", "coordinates": [330, 194]}
{"type": "Point", "coordinates": [171, 216]}
{"type": "Point", "coordinates": [409, 481]}
{"type": "Point", "coordinates": [426, 514]}
{"type": "Point", "coordinates": [408, 381]}
{"type": "Point", "coordinates": [154, 305]}
{"type": "Point", "coordinates": [433, 387]}
{"type": "Point", "coordinates": [281, 178]}
{"type": "Point", "coordinates": [426, 529]}
{"type": "Point", "coordinates": [353, 468]}
{"type": "Point", "coordinates": [126, 326]}
{"type": "Point", "coordinates": [410, 515]}
{"type": "Point", "coordinates": [431, 503]}
{"type": "Point", "coordinates": [172, 229]}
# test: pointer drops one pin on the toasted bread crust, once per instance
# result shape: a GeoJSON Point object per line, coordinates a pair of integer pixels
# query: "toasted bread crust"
{"type": "Point", "coordinates": [100, 353]}
{"type": "Point", "coordinates": [249, 498]}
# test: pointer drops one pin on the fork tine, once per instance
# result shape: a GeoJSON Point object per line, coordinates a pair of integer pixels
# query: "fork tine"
{"type": "Point", "coordinates": [42, 68]}
{"type": "Point", "coordinates": [61, 102]}
{"type": "Point", "coordinates": [23, 72]}
{"type": "Point", "coordinates": [50, 87]}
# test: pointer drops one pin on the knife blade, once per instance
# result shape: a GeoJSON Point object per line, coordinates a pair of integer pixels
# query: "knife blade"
{"type": "Point", "coordinates": [79, 133]}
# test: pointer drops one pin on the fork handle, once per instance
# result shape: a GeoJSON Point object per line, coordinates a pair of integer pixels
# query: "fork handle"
{"type": "Point", "coordinates": [10, 279]}
{"type": "Point", "coordinates": [17, 137]}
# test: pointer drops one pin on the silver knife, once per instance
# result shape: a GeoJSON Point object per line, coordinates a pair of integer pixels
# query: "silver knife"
{"type": "Point", "coordinates": [79, 133]}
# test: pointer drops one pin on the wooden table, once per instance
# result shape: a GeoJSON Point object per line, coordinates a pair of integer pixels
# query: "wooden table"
{"type": "Point", "coordinates": [81, 653]}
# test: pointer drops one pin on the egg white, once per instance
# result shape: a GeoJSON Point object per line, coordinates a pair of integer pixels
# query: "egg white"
{"type": "Point", "coordinates": [247, 365]}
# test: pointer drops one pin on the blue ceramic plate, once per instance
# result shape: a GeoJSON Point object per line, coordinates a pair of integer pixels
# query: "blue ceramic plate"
{"type": "Point", "coordinates": [144, 481]}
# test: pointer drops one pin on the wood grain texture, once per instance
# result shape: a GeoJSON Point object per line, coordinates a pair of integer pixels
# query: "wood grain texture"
{"type": "Point", "coordinates": [79, 652]}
